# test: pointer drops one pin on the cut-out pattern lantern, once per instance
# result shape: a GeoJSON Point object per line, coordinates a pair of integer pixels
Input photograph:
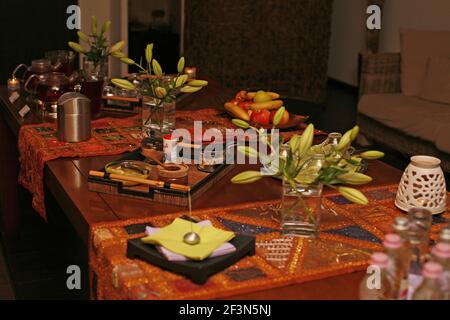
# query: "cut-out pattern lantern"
{"type": "Point", "coordinates": [423, 185]}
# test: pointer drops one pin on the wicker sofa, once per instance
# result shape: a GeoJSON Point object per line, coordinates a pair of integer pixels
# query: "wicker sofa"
{"type": "Point", "coordinates": [382, 109]}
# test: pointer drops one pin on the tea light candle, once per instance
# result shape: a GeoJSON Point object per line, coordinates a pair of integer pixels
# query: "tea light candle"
{"type": "Point", "coordinates": [191, 72]}
{"type": "Point", "coordinates": [13, 84]}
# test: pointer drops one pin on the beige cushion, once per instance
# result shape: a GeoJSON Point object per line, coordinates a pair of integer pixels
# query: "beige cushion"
{"type": "Point", "coordinates": [436, 86]}
{"type": "Point", "coordinates": [416, 47]}
{"type": "Point", "coordinates": [414, 116]}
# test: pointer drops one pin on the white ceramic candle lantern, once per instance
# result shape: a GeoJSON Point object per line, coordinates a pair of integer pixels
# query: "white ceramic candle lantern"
{"type": "Point", "coordinates": [423, 185]}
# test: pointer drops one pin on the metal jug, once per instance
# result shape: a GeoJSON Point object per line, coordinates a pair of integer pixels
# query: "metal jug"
{"type": "Point", "coordinates": [74, 117]}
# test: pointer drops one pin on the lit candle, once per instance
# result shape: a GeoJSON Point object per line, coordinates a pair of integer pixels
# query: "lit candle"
{"type": "Point", "coordinates": [191, 72]}
{"type": "Point", "coordinates": [13, 84]}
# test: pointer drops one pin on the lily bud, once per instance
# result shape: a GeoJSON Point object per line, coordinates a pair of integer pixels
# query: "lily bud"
{"type": "Point", "coordinates": [198, 83]}
{"type": "Point", "coordinates": [149, 52]}
{"type": "Point", "coordinates": [355, 132]}
{"type": "Point", "coordinates": [246, 177]}
{"type": "Point", "coordinates": [240, 123]}
{"type": "Point", "coordinates": [306, 140]}
{"type": "Point", "coordinates": [76, 46]}
{"type": "Point", "coordinates": [188, 89]}
{"type": "Point", "coordinates": [248, 151]}
{"type": "Point", "coordinates": [118, 54]}
{"type": "Point", "coordinates": [122, 83]}
{"type": "Point", "coordinates": [353, 195]}
{"type": "Point", "coordinates": [180, 66]}
{"type": "Point", "coordinates": [83, 36]}
{"type": "Point", "coordinates": [94, 25]}
{"type": "Point", "coordinates": [106, 26]}
{"type": "Point", "coordinates": [345, 141]}
{"type": "Point", "coordinates": [372, 155]}
{"type": "Point", "coordinates": [157, 68]}
{"type": "Point", "coordinates": [160, 92]}
{"type": "Point", "coordinates": [117, 46]}
{"type": "Point", "coordinates": [354, 178]}
{"type": "Point", "coordinates": [181, 80]}
{"type": "Point", "coordinates": [278, 115]}
{"type": "Point", "coordinates": [294, 143]}
{"type": "Point", "coordinates": [127, 60]}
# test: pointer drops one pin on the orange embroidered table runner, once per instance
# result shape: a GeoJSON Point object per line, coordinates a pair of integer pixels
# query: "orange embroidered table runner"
{"type": "Point", "coordinates": [38, 144]}
{"type": "Point", "coordinates": [347, 239]}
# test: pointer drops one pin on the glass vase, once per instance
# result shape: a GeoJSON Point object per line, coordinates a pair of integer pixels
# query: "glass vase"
{"type": "Point", "coordinates": [158, 117]}
{"type": "Point", "coordinates": [301, 209]}
{"type": "Point", "coordinates": [92, 81]}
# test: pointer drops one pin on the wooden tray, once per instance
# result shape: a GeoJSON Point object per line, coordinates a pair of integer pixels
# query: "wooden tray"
{"type": "Point", "coordinates": [199, 182]}
{"type": "Point", "coordinates": [197, 271]}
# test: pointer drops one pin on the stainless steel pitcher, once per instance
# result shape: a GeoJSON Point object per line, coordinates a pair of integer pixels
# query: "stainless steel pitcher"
{"type": "Point", "coordinates": [74, 117]}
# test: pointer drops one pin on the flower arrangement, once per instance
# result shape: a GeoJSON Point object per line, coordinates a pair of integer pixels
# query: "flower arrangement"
{"type": "Point", "coordinates": [155, 84]}
{"type": "Point", "coordinates": [340, 167]}
{"type": "Point", "coordinates": [99, 49]}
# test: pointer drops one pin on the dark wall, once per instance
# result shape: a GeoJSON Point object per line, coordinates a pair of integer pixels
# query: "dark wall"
{"type": "Point", "coordinates": [281, 45]}
{"type": "Point", "coordinates": [29, 28]}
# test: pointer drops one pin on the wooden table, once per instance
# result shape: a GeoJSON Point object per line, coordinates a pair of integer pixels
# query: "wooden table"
{"type": "Point", "coordinates": [66, 179]}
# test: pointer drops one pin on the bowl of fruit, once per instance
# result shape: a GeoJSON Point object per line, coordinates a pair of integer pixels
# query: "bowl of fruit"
{"type": "Point", "coordinates": [259, 109]}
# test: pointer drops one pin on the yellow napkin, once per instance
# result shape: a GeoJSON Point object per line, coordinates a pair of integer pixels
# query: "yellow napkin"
{"type": "Point", "coordinates": [171, 238]}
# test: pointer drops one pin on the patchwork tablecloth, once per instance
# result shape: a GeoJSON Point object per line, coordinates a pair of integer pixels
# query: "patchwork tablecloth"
{"type": "Point", "coordinates": [348, 237]}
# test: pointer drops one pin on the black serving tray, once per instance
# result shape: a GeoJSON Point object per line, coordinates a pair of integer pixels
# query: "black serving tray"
{"type": "Point", "coordinates": [197, 271]}
{"type": "Point", "coordinates": [163, 195]}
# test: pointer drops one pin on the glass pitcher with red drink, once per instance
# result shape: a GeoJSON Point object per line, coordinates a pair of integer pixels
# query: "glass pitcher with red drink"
{"type": "Point", "coordinates": [47, 88]}
{"type": "Point", "coordinates": [62, 60]}
{"type": "Point", "coordinates": [92, 79]}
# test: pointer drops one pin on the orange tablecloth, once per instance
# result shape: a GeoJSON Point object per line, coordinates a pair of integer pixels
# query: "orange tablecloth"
{"type": "Point", "coordinates": [345, 244]}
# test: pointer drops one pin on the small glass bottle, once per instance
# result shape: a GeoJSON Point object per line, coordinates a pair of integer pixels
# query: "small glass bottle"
{"type": "Point", "coordinates": [330, 143]}
{"type": "Point", "coordinates": [441, 255]}
{"type": "Point", "coordinates": [401, 227]}
{"type": "Point", "coordinates": [399, 266]}
{"type": "Point", "coordinates": [430, 288]}
{"type": "Point", "coordinates": [419, 233]}
{"type": "Point", "coordinates": [372, 288]}
{"type": "Point", "coordinates": [332, 139]}
{"type": "Point", "coordinates": [444, 235]}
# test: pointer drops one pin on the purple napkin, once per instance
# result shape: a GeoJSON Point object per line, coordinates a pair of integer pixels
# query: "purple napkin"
{"type": "Point", "coordinates": [224, 249]}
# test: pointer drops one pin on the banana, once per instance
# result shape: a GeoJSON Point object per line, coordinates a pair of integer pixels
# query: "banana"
{"type": "Point", "coordinates": [269, 105]}
{"type": "Point", "coordinates": [237, 111]}
{"type": "Point", "coordinates": [274, 95]}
